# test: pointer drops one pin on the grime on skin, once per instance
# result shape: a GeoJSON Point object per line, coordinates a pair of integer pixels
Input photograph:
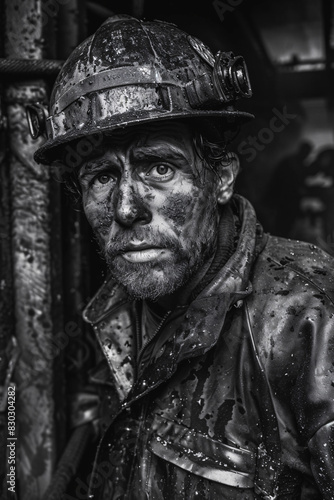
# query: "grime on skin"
{"type": "Point", "coordinates": [154, 207]}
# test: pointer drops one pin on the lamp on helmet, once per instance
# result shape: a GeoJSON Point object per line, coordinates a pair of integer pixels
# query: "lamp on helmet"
{"type": "Point", "coordinates": [130, 72]}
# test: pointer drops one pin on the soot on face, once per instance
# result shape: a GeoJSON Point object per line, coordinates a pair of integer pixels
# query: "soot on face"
{"type": "Point", "coordinates": [174, 208]}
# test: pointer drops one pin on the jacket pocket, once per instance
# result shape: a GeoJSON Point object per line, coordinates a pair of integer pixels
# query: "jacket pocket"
{"type": "Point", "coordinates": [199, 454]}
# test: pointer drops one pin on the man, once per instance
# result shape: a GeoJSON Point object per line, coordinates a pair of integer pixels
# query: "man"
{"type": "Point", "coordinates": [218, 337]}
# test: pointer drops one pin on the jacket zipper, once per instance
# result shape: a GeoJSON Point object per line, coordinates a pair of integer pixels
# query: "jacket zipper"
{"type": "Point", "coordinates": [138, 334]}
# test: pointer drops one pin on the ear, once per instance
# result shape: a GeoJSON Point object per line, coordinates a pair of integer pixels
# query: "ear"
{"type": "Point", "coordinates": [227, 177]}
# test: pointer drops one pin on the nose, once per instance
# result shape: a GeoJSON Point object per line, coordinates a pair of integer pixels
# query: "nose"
{"type": "Point", "coordinates": [130, 208]}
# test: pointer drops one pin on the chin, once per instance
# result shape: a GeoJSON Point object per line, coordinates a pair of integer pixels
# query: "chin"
{"type": "Point", "coordinates": [149, 281]}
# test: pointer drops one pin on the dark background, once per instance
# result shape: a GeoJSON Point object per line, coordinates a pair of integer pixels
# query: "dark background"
{"type": "Point", "coordinates": [49, 265]}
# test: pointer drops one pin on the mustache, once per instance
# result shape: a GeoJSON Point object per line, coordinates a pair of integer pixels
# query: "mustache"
{"type": "Point", "coordinates": [119, 243]}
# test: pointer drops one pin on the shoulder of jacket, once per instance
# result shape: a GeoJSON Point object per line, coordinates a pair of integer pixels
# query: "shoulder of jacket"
{"type": "Point", "coordinates": [109, 296]}
{"type": "Point", "coordinates": [292, 300]}
{"type": "Point", "coordinates": [295, 263]}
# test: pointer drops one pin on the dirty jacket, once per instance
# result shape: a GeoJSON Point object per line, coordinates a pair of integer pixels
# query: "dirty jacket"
{"type": "Point", "coordinates": [233, 397]}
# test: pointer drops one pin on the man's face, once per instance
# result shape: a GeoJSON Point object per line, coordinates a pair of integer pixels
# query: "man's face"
{"type": "Point", "coordinates": [152, 206]}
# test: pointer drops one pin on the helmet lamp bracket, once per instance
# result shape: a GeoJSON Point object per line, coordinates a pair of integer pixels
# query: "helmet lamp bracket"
{"type": "Point", "coordinates": [36, 117]}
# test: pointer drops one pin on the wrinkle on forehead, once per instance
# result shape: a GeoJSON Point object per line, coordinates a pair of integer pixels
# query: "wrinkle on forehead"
{"type": "Point", "coordinates": [169, 141]}
{"type": "Point", "coordinates": [157, 141]}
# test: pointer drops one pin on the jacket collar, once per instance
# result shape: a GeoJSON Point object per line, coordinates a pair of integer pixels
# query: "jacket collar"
{"type": "Point", "coordinates": [202, 321]}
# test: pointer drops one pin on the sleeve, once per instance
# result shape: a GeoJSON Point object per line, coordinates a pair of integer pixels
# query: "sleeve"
{"type": "Point", "coordinates": [321, 447]}
{"type": "Point", "coordinates": [313, 395]}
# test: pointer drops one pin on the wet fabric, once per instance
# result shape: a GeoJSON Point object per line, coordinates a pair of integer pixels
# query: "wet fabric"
{"type": "Point", "coordinates": [233, 396]}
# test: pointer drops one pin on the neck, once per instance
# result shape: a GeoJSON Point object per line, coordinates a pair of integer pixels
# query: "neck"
{"type": "Point", "coordinates": [182, 295]}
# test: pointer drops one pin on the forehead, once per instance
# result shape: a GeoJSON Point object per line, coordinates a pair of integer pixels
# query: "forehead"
{"type": "Point", "coordinates": [164, 137]}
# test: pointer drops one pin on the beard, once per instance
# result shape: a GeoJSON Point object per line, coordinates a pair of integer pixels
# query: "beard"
{"type": "Point", "coordinates": [154, 279]}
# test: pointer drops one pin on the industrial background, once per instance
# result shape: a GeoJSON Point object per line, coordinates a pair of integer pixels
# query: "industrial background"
{"type": "Point", "coordinates": [49, 267]}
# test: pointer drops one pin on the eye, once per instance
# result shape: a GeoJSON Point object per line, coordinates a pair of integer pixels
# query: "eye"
{"type": "Point", "coordinates": [162, 169]}
{"type": "Point", "coordinates": [103, 179]}
{"type": "Point", "coordinates": [161, 172]}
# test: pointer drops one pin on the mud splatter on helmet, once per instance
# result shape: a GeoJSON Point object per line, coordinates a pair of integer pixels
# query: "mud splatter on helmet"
{"type": "Point", "coordinates": [130, 72]}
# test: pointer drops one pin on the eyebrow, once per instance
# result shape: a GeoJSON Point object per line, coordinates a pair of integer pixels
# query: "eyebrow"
{"type": "Point", "coordinates": [161, 152]}
{"type": "Point", "coordinates": [92, 166]}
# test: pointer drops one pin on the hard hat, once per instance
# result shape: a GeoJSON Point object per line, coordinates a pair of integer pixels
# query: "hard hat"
{"type": "Point", "coordinates": [131, 72]}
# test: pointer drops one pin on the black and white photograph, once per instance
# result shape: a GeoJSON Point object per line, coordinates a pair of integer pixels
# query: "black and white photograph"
{"type": "Point", "coordinates": [166, 250]}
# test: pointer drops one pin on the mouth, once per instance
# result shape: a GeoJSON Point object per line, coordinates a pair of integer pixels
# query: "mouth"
{"type": "Point", "coordinates": [142, 252]}
{"type": "Point", "coordinates": [146, 255]}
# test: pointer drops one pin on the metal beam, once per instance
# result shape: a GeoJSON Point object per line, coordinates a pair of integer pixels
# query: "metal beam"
{"type": "Point", "coordinates": [303, 84]}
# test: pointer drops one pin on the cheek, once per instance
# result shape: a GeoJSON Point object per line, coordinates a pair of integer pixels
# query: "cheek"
{"type": "Point", "coordinates": [190, 213]}
{"type": "Point", "coordinates": [176, 209]}
{"type": "Point", "coordinates": [99, 215]}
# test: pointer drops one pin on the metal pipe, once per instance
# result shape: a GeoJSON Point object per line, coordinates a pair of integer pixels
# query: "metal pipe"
{"type": "Point", "coordinates": [6, 286]}
{"type": "Point", "coordinates": [6, 306]}
{"type": "Point", "coordinates": [35, 294]}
